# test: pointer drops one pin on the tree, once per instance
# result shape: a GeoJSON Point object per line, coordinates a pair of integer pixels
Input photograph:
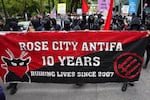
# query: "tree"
{"type": "Point", "coordinates": [19, 7]}
{"type": "Point", "coordinates": [72, 5]}
{"type": "Point", "coordinates": [4, 10]}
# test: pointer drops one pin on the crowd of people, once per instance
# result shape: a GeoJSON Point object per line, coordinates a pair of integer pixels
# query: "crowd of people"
{"type": "Point", "coordinates": [67, 23]}
{"type": "Point", "coordinates": [76, 22]}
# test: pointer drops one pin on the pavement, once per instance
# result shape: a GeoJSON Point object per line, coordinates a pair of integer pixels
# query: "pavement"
{"type": "Point", "coordinates": [99, 91]}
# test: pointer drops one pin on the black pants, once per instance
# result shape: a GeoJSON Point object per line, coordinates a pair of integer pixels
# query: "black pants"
{"type": "Point", "coordinates": [13, 85]}
{"type": "Point", "coordinates": [147, 56]}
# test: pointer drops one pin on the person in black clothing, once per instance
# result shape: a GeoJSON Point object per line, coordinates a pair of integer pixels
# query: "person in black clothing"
{"type": "Point", "coordinates": [1, 26]}
{"type": "Point", "coordinates": [91, 22]}
{"type": "Point", "coordinates": [11, 25]}
{"type": "Point", "coordinates": [47, 23]}
{"type": "Point", "coordinates": [148, 46]}
{"type": "Point", "coordinates": [83, 23]}
{"type": "Point", "coordinates": [135, 23]}
{"type": "Point", "coordinates": [76, 21]}
{"type": "Point", "coordinates": [67, 26]}
{"type": "Point", "coordinates": [99, 21]}
{"type": "Point", "coordinates": [36, 23]}
{"type": "Point", "coordinates": [69, 17]}
{"type": "Point", "coordinates": [117, 22]}
{"type": "Point", "coordinates": [76, 24]}
{"type": "Point", "coordinates": [55, 26]}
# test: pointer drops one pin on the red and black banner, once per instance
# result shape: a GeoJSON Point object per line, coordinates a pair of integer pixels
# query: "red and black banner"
{"type": "Point", "coordinates": [72, 57]}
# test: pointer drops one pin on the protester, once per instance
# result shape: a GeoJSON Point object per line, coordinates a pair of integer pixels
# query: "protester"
{"type": "Point", "coordinates": [98, 22]}
{"type": "Point", "coordinates": [91, 22]}
{"type": "Point", "coordinates": [46, 23]}
{"type": "Point", "coordinates": [12, 87]}
{"type": "Point", "coordinates": [14, 25]}
{"type": "Point", "coordinates": [55, 26]}
{"type": "Point", "coordinates": [36, 23]}
{"type": "Point", "coordinates": [135, 23]}
{"type": "Point", "coordinates": [118, 22]}
{"type": "Point", "coordinates": [67, 26]}
{"type": "Point", "coordinates": [83, 22]}
{"type": "Point", "coordinates": [148, 46]}
{"type": "Point", "coordinates": [1, 25]}
{"type": "Point", "coordinates": [11, 25]}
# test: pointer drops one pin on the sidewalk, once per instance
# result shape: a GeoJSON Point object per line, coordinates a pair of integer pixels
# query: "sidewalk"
{"type": "Point", "coordinates": [108, 91]}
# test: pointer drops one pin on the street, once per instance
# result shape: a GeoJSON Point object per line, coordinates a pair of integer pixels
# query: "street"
{"type": "Point", "coordinates": [100, 91]}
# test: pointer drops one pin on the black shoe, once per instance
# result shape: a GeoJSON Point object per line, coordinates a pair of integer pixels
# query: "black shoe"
{"type": "Point", "coordinates": [9, 87]}
{"type": "Point", "coordinates": [78, 85]}
{"type": "Point", "coordinates": [131, 84]}
{"type": "Point", "coordinates": [13, 91]}
{"type": "Point", "coordinates": [144, 67]}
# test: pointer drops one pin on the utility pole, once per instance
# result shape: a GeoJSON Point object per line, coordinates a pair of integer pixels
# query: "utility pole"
{"type": "Point", "coordinates": [49, 6]}
{"type": "Point", "coordinates": [41, 6]}
{"type": "Point", "coordinates": [4, 9]}
{"type": "Point", "coordinates": [142, 9]}
{"type": "Point", "coordinates": [25, 10]}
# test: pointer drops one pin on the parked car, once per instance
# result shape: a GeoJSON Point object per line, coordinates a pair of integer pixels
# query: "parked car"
{"type": "Point", "coordinates": [24, 26]}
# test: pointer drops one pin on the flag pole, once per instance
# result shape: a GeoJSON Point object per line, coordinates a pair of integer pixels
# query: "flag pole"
{"type": "Point", "coordinates": [109, 16]}
{"type": "Point", "coordinates": [49, 6]}
{"type": "Point", "coordinates": [141, 9]}
{"type": "Point", "coordinates": [3, 5]}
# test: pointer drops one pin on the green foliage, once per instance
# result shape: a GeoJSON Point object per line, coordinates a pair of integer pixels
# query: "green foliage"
{"type": "Point", "coordinates": [13, 7]}
{"type": "Point", "coordinates": [18, 7]}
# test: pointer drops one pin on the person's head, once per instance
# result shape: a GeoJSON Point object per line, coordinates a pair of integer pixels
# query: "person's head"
{"type": "Point", "coordinates": [133, 15]}
{"type": "Point", "coordinates": [13, 24]}
{"type": "Point", "coordinates": [47, 23]}
{"type": "Point", "coordinates": [99, 15]}
{"type": "Point", "coordinates": [91, 19]}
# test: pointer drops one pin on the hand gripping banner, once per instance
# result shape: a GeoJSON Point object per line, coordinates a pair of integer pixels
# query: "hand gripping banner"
{"type": "Point", "coordinates": [72, 57]}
